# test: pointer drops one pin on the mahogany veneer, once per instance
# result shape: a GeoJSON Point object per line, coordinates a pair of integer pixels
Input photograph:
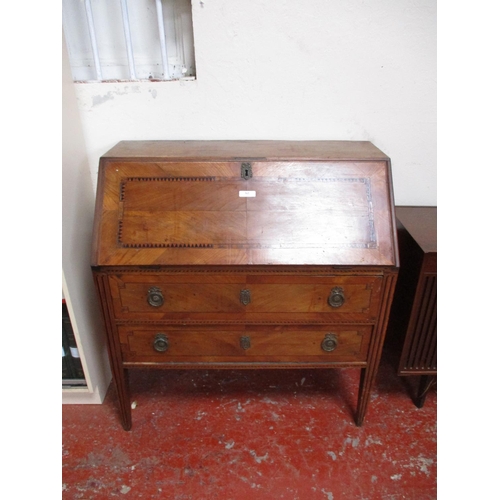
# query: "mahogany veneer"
{"type": "Point", "coordinates": [244, 254]}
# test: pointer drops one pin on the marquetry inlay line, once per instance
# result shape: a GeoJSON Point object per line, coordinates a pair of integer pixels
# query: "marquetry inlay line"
{"type": "Point", "coordinates": [162, 179]}
{"type": "Point", "coordinates": [361, 180]}
{"type": "Point", "coordinates": [371, 218]}
{"type": "Point", "coordinates": [259, 246]}
{"type": "Point", "coordinates": [165, 245]}
{"type": "Point", "coordinates": [122, 190]}
{"type": "Point", "coordinates": [371, 242]}
{"type": "Point", "coordinates": [157, 245]}
{"type": "Point", "coordinates": [332, 273]}
{"type": "Point", "coordinates": [184, 322]}
{"type": "Point", "coordinates": [222, 246]}
{"type": "Point", "coordinates": [173, 179]}
{"type": "Point", "coordinates": [120, 231]}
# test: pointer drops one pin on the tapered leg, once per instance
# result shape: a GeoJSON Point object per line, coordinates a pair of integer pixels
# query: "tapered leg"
{"type": "Point", "coordinates": [122, 388]}
{"type": "Point", "coordinates": [425, 384]}
{"type": "Point", "coordinates": [365, 385]}
{"type": "Point", "coordinates": [369, 373]}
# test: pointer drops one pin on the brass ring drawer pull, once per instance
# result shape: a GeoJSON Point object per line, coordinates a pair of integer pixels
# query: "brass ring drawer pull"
{"type": "Point", "coordinates": [336, 298]}
{"type": "Point", "coordinates": [330, 342]}
{"type": "Point", "coordinates": [160, 343]}
{"type": "Point", "coordinates": [155, 297]}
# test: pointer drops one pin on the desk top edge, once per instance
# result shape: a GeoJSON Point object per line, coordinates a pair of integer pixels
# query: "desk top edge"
{"type": "Point", "coordinates": [247, 149]}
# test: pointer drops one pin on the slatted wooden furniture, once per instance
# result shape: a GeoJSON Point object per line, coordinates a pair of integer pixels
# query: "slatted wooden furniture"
{"type": "Point", "coordinates": [413, 320]}
{"type": "Point", "coordinates": [244, 254]}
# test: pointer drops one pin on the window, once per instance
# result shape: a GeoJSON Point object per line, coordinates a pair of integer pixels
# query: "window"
{"type": "Point", "coordinates": [110, 40]}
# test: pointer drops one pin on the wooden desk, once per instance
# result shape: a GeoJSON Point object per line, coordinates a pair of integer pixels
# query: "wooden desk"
{"type": "Point", "coordinates": [244, 254]}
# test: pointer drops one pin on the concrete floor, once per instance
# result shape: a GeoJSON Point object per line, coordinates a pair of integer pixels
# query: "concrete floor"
{"type": "Point", "coordinates": [254, 435]}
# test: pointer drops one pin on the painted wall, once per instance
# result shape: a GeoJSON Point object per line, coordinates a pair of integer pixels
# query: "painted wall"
{"type": "Point", "coordinates": [292, 69]}
{"type": "Point", "coordinates": [76, 237]}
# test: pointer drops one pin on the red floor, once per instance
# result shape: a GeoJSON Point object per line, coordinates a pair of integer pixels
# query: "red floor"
{"type": "Point", "coordinates": [253, 435]}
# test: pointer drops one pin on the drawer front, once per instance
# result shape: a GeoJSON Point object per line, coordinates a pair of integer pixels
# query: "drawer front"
{"type": "Point", "coordinates": [157, 344]}
{"type": "Point", "coordinates": [245, 297]}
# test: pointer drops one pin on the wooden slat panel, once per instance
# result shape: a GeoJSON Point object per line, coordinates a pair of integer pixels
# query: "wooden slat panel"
{"type": "Point", "coordinates": [422, 333]}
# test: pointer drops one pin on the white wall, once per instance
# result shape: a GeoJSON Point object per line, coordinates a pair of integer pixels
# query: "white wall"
{"type": "Point", "coordinates": [77, 283]}
{"type": "Point", "coordinates": [292, 69]}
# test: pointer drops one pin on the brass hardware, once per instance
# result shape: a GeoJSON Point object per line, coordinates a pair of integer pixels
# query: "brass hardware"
{"type": "Point", "coordinates": [336, 298]}
{"type": "Point", "coordinates": [160, 343]}
{"type": "Point", "coordinates": [155, 297]}
{"type": "Point", "coordinates": [330, 342]}
{"type": "Point", "coordinates": [245, 343]}
{"type": "Point", "coordinates": [245, 297]}
{"type": "Point", "coordinates": [246, 170]}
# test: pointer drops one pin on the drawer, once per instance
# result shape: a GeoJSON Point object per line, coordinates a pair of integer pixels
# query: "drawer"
{"type": "Point", "coordinates": [165, 344]}
{"type": "Point", "coordinates": [220, 297]}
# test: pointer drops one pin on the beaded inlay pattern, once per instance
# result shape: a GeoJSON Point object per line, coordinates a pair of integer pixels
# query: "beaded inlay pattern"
{"type": "Point", "coordinates": [371, 243]}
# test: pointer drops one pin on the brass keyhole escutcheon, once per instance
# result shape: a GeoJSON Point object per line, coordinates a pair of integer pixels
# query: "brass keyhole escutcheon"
{"type": "Point", "coordinates": [245, 343]}
{"type": "Point", "coordinates": [330, 342]}
{"type": "Point", "coordinates": [160, 343]}
{"type": "Point", "coordinates": [155, 297]}
{"type": "Point", "coordinates": [246, 170]}
{"type": "Point", "coordinates": [336, 298]}
{"type": "Point", "coordinates": [245, 297]}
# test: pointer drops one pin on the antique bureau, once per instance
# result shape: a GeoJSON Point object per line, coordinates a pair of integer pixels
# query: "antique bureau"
{"type": "Point", "coordinates": [244, 254]}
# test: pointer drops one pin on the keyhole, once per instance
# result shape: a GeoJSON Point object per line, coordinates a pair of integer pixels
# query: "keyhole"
{"type": "Point", "coordinates": [246, 171]}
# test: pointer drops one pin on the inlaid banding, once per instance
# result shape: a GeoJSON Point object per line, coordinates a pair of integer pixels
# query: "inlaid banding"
{"type": "Point", "coordinates": [172, 179]}
{"type": "Point", "coordinates": [166, 245]}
